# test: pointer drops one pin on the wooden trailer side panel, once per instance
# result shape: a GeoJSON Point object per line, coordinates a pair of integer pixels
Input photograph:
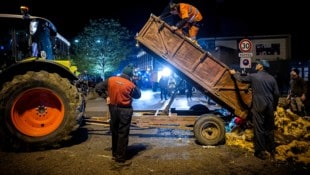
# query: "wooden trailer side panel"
{"type": "Point", "coordinates": [209, 73]}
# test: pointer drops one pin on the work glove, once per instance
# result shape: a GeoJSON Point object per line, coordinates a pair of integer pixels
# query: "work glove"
{"type": "Point", "coordinates": [174, 28]}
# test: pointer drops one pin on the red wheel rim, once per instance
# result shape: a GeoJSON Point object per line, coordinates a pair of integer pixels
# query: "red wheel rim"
{"type": "Point", "coordinates": [37, 112]}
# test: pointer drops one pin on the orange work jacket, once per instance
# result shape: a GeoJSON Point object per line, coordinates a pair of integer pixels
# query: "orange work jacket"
{"type": "Point", "coordinates": [190, 12]}
{"type": "Point", "coordinates": [120, 90]}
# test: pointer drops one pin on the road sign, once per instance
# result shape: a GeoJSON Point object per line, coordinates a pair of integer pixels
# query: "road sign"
{"type": "Point", "coordinates": [245, 45]}
{"type": "Point", "coordinates": [245, 54]}
{"type": "Point", "coordinates": [245, 63]}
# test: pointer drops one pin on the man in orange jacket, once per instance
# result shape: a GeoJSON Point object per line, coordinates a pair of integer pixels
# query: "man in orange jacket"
{"type": "Point", "coordinates": [120, 92]}
{"type": "Point", "coordinates": [190, 18]}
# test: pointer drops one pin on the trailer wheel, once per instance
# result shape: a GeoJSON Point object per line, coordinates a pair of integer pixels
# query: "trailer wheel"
{"type": "Point", "coordinates": [40, 109]}
{"type": "Point", "coordinates": [209, 129]}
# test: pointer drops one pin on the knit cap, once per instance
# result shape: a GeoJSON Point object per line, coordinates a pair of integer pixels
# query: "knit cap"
{"type": "Point", "coordinates": [128, 70]}
{"type": "Point", "coordinates": [264, 63]}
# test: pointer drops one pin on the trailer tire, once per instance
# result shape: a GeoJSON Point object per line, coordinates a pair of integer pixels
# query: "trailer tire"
{"type": "Point", "coordinates": [209, 129]}
{"type": "Point", "coordinates": [28, 122]}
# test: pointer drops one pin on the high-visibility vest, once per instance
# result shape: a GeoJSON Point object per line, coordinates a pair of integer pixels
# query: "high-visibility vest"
{"type": "Point", "coordinates": [190, 12]}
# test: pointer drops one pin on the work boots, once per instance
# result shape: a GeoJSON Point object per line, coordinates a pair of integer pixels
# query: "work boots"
{"type": "Point", "coordinates": [263, 155]}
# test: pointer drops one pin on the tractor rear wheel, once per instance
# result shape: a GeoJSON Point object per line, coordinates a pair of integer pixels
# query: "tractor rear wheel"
{"type": "Point", "coordinates": [39, 109]}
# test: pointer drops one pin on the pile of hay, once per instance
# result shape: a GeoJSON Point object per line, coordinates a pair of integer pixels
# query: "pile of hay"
{"type": "Point", "coordinates": [292, 136]}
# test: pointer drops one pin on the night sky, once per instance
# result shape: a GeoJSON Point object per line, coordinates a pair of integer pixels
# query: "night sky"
{"type": "Point", "coordinates": [221, 17]}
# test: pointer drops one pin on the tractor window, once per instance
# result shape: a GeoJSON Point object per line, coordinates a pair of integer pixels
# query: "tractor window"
{"type": "Point", "coordinates": [14, 42]}
{"type": "Point", "coordinates": [61, 47]}
{"type": "Point", "coordinates": [22, 44]}
{"type": "Point", "coordinates": [5, 44]}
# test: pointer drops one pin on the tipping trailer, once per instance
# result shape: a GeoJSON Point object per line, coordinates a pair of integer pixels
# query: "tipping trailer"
{"type": "Point", "coordinates": [203, 70]}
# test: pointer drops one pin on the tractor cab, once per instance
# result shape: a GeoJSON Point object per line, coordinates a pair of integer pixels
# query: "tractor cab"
{"type": "Point", "coordinates": [24, 36]}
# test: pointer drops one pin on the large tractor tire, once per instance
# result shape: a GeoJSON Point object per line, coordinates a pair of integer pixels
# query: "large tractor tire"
{"type": "Point", "coordinates": [209, 129]}
{"type": "Point", "coordinates": [38, 110]}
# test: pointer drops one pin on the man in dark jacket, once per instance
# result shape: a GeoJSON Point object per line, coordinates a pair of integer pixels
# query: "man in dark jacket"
{"type": "Point", "coordinates": [121, 91]}
{"type": "Point", "coordinates": [265, 101]}
{"type": "Point", "coordinates": [163, 86]}
{"type": "Point", "coordinates": [297, 93]}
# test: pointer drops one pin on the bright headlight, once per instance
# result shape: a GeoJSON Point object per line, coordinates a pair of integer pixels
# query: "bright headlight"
{"type": "Point", "coordinates": [33, 27]}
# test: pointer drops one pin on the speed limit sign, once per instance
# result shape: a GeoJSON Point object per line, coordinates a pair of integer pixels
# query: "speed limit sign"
{"type": "Point", "coordinates": [245, 45]}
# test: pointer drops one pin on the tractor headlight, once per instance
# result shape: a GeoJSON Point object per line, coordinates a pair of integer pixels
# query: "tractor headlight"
{"type": "Point", "coordinates": [33, 27]}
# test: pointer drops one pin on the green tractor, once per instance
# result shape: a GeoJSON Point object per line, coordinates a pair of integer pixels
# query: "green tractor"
{"type": "Point", "coordinates": [40, 102]}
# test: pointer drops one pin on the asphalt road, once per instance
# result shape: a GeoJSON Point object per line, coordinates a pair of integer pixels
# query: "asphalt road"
{"type": "Point", "coordinates": [151, 101]}
{"type": "Point", "coordinates": [152, 150]}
